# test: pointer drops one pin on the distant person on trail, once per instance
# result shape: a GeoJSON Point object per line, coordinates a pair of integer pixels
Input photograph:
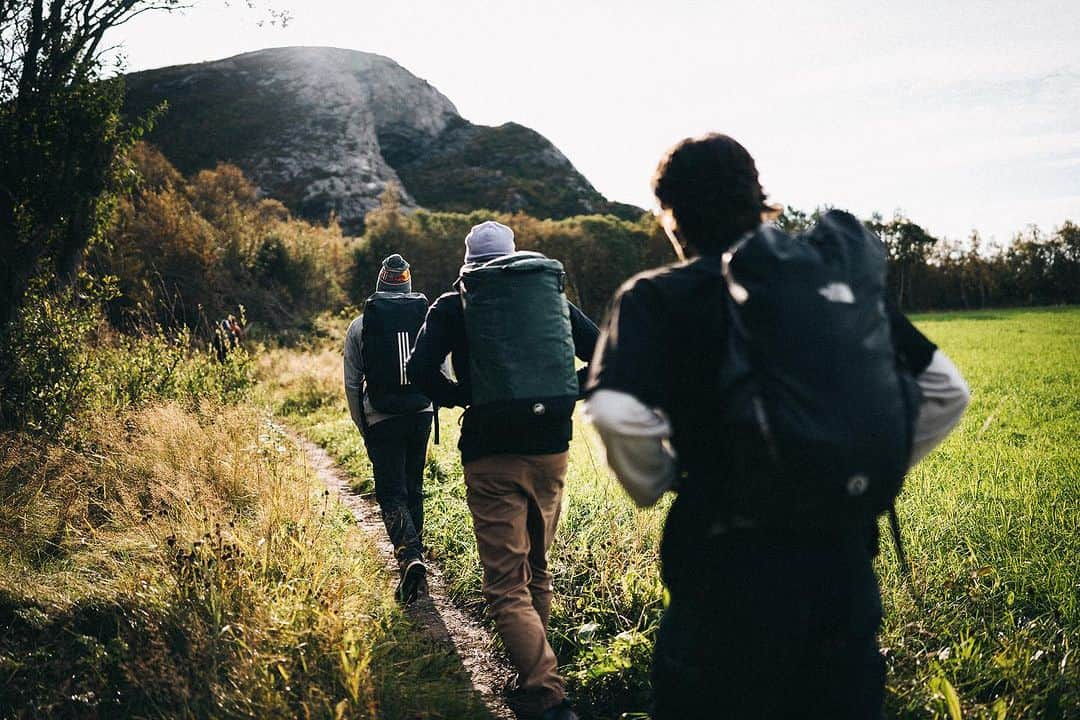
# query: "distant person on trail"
{"type": "Point", "coordinates": [512, 337]}
{"type": "Point", "coordinates": [227, 336]}
{"type": "Point", "coordinates": [393, 416]}
{"type": "Point", "coordinates": [766, 383]}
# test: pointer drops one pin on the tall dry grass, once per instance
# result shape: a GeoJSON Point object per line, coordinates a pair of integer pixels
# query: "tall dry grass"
{"type": "Point", "coordinates": [185, 563]}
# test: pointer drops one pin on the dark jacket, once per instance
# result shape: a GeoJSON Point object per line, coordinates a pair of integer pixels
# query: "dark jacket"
{"type": "Point", "coordinates": [661, 344]}
{"type": "Point", "coordinates": [443, 334]}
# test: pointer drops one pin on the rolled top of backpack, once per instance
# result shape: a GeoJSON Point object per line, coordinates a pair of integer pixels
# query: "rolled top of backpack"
{"type": "Point", "coordinates": [393, 296]}
{"type": "Point", "coordinates": [521, 261]}
{"type": "Point", "coordinates": [517, 320]}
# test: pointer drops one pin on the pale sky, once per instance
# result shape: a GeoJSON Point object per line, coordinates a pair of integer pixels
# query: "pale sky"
{"type": "Point", "coordinates": [963, 114]}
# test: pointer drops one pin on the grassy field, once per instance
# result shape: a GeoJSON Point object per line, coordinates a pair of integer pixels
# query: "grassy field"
{"type": "Point", "coordinates": [991, 522]}
{"type": "Point", "coordinates": [183, 562]}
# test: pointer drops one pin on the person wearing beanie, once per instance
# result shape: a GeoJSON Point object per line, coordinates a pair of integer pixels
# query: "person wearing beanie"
{"type": "Point", "coordinates": [514, 475]}
{"type": "Point", "coordinates": [393, 417]}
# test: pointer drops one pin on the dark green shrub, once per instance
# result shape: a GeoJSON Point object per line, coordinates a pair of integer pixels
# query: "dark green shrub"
{"type": "Point", "coordinates": [60, 358]}
{"type": "Point", "coordinates": [47, 368]}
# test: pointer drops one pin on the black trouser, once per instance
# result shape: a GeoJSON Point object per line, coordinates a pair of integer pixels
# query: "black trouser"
{"type": "Point", "coordinates": [397, 448]}
{"type": "Point", "coordinates": [771, 628]}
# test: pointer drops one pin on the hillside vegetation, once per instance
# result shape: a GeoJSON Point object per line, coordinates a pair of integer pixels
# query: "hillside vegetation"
{"type": "Point", "coordinates": [991, 522]}
{"type": "Point", "coordinates": [190, 250]}
{"type": "Point", "coordinates": [598, 252]}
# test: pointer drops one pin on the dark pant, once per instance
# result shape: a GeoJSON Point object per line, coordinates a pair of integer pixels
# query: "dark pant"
{"type": "Point", "coordinates": [771, 628]}
{"type": "Point", "coordinates": [397, 448]}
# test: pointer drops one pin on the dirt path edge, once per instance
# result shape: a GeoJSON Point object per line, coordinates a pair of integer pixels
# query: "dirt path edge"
{"type": "Point", "coordinates": [441, 619]}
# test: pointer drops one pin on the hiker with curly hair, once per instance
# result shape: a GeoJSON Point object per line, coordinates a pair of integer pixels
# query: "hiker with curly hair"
{"type": "Point", "coordinates": [764, 380]}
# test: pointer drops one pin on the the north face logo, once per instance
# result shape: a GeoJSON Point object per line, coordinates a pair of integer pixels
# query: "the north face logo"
{"type": "Point", "coordinates": [837, 292]}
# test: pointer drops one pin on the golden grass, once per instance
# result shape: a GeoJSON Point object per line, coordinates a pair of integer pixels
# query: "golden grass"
{"type": "Point", "coordinates": [188, 564]}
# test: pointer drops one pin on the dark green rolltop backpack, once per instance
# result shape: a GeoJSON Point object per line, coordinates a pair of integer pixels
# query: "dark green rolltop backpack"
{"type": "Point", "coordinates": [819, 416]}
{"type": "Point", "coordinates": [391, 323]}
{"type": "Point", "coordinates": [521, 348]}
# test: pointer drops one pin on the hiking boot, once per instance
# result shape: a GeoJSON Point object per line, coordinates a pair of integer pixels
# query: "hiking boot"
{"type": "Point", "coordinates": [413, 582]}
{"type": "Point", "coordinates": [524, 705]}
{"type": "Point", "coordinates": [562, 711]}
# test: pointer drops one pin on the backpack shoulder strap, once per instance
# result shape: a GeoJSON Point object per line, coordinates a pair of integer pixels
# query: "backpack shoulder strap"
{"type": "Point", "coordinates": [898, 542]}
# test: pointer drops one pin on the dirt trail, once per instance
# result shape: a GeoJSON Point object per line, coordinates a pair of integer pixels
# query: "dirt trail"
{"type": "Point", "coordinates": [443, 621]}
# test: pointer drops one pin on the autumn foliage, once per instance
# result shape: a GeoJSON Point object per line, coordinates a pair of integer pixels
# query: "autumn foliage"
{"type": "Point", "coordinates": [188, 250]}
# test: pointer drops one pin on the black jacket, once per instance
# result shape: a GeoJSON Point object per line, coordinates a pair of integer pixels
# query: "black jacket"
{"type": "Point", "coordinates": [660, 344]}
{"type": "Point", "coordinates": [443, 334]}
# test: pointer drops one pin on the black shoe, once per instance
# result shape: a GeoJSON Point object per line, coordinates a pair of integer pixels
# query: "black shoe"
{"type": "Point", "coordinates": [562, 711]}
{"type": "Point", "coordinates": [413, 582]}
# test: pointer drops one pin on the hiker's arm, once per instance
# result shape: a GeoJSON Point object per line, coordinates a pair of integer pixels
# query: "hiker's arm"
{"type": "Point", "coordinates": [433, 344]}
{"type": "Point", "coordinates": [629, 378]}
{"type": "Point", "coordinates": [354, 373]}
{"type": "Point", "coordinates": [914, 351]}
{"type": "Point", "coordinates": [945, 397]}
{"type": "Point", "coordinates": [585, 335]}
{"type": "Point", "coordinates": [635, 437]}
{"type": "Point", "coordinates": [945, 394]}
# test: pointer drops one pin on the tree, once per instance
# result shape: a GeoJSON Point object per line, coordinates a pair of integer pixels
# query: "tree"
{"type": "Point", "coordinates": [908, 246]}
{"type": "Point", "coordinates": [62, 135]}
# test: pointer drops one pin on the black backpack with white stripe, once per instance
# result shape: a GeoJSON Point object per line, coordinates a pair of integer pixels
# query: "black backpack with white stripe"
{"type": "Point", "coordinates": [391, 323]}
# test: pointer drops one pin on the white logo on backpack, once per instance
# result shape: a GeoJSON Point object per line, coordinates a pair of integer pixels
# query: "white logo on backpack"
{"type": "Point", "coordinates": [838, 292]}
{"type": "Point", "coordinates": [404, 351]}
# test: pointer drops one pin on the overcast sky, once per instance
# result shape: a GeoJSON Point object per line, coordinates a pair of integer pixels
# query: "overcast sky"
{"type": "Point", "coordinates": [963, 114]}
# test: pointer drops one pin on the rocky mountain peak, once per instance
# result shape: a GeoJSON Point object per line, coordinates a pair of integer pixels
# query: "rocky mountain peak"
{"type": "Point", "coordinates": [326, 129]}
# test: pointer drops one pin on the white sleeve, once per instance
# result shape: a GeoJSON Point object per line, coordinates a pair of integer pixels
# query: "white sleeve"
{"type": "Point", "coordinates": [945, 396]}
{"type": "Point", "coordinates": [636, 439]}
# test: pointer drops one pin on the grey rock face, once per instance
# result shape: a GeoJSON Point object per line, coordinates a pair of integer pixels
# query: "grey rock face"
{"type": "Point", "coordinates": [325, 130]}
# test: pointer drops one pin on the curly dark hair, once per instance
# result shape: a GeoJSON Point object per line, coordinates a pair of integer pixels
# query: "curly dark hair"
{"type": "Point", "coordinates": [710, 185]}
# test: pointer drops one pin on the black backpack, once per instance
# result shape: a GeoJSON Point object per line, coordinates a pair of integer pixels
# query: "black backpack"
{"type": "Point", "coordinates": [521, 347]}
{"type": "Point", "coordinates": [391, 323]}
{"type": "Point", "coordinates": [820, 415]}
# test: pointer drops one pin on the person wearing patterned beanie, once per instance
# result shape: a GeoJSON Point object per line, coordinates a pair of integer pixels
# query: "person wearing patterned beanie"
{"type": "Point", "coordinates": [393, 417]}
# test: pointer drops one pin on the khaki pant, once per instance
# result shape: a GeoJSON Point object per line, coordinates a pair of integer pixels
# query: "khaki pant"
{"type": "Point", "coordinates": [515, 502]}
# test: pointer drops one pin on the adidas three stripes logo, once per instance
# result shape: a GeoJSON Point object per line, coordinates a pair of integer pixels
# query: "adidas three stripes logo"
{"type": "Point", "coordinates": [404, 352]}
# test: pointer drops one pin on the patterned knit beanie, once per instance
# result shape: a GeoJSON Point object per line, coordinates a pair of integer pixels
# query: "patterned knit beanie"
{"type": "Point", "coordinates": [394, 275]}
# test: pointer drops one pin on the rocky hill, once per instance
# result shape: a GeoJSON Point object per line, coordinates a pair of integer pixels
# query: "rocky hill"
{"type": "Point", "coordinates": [324, 130]}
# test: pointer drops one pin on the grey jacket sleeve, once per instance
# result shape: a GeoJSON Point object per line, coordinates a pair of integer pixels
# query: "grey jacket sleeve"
{"type": "Point", "coordinates": [636, 439]}
{"type": "Point", "coordinates": [945, 396]}
{"type": "Point", "coordinates": [354, 372]}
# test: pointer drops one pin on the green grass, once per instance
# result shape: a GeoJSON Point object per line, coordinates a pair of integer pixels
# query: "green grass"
{"type": "Point", "coordinates": [991, 523]}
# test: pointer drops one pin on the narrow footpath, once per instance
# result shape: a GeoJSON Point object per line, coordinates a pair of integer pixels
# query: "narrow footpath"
{"type": "Point", "coordinates": [441, 619]}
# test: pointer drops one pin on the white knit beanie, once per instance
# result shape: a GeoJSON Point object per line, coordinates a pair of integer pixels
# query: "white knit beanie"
{"type": "Point", "coordinates": [487, 241]}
